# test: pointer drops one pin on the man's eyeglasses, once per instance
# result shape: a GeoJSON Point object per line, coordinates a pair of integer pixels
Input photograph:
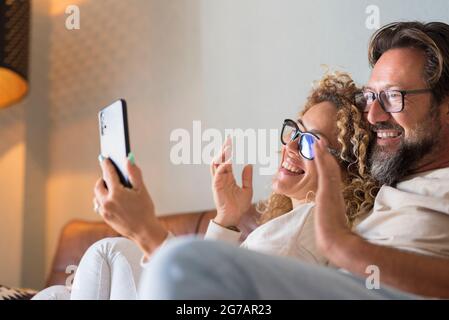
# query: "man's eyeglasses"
{"type": "Point", "coordinates": [290, 132]}
{"type": "Point", "coordinates": [391, 101]}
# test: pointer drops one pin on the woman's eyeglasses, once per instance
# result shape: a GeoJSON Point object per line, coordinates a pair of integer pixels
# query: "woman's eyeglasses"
{"type": "Point", "coordinates": [290, 132]}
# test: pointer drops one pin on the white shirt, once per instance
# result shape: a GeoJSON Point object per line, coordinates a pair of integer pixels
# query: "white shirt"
{"type": "Point", "coordinates": [413, 216]}
{"type": "Point", "coordinates": [291, 234]}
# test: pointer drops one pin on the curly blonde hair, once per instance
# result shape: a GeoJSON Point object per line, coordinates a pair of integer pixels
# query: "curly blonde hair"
{"type": "Point", "coordinates": [359, 189]}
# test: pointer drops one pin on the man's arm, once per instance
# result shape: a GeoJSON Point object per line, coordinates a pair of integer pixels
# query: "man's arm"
{"type": "Point", "coordinates": [410, 272]}
{"type": "Point", "coordinates": [407, 271]}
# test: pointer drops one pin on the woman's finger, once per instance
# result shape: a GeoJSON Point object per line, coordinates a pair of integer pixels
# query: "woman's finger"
{"type": "Point", "coordinates": [224, 168]}
{"type": "Point", "coordinates": [247, 177]}
{"type": "Point", "coordinates": [215, 163]}
{"type": "Point", "coordinates": [227, 142]}
{"type": "Point", "coordinates": [100, 191]}
{"type": "Point", "coordinates": [96, 205]}
{"type": "Point", "coordinates": [212, 169]}
{"type": "Point", "coordinates": [223, 156]}
{"type": "Point", "coordinates": [226, 151]}
{"type": "Point", "coordinates": [135, 175]}
{"type": "Point", "coordinates": [110, 175]}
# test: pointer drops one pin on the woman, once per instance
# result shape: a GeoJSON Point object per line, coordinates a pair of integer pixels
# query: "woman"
{"type": "Point", "coordinates": [111, 268]}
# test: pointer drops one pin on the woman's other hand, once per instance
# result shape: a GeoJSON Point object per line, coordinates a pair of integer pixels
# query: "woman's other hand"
{"type": "Point", "coordinates": [130, 212]}
{"type": "Point", "coordinates": [230, 200]}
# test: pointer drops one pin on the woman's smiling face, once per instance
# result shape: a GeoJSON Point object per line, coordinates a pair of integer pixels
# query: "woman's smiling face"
{"type": "Point", "coordinates": [296, 177]}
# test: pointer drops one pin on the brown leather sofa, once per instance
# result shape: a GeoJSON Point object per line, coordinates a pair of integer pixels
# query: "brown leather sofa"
{"type": "Point", "coordinates": [78, 235]}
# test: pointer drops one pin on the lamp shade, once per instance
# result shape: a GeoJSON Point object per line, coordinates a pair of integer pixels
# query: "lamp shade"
{"type": "Point", "coordinates": [14, 49]}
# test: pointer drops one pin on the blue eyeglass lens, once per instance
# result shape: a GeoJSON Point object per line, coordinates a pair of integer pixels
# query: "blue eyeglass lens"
{"type": "Point", "coordinates": [306, 145]}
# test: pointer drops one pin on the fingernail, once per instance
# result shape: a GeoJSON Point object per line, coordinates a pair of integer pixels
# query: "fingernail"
{"type": "Point", "coordinates": [131, 158]}
{"type": "Point", "coordinates": [100, 158]}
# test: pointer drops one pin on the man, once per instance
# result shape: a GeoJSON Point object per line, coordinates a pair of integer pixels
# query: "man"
{"type": "Point", "coordinates": [406, 237]}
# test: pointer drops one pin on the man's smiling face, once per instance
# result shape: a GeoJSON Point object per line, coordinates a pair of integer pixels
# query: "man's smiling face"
{"type": "Point", "coordinates": [402, 139]}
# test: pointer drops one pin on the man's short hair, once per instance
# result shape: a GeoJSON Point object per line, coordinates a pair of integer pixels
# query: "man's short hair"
{"type": "Point", "coordinates": [432, 38]}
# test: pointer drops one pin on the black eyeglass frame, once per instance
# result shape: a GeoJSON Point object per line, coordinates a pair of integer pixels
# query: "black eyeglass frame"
{"type": "Point", "coordinates": [377, 97]}
{"type": "Point", "coordinates": [299, 133]}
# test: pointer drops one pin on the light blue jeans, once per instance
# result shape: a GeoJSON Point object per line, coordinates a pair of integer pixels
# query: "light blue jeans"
{"type": "Point", "coordinates": [189, 268]}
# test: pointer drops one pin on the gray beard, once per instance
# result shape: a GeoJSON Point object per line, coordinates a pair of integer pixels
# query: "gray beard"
{"type": "Point", "coordinates": [388, 169]}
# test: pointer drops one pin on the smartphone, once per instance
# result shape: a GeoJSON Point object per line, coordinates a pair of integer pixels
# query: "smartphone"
{"type": "Point", "coordinates": [114, 137]}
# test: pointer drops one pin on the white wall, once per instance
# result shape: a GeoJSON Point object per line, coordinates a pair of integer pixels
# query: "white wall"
{"type": "Point", "coordinates": [12, 168]}
{"type": "Point", "coordinates": [229, 63]}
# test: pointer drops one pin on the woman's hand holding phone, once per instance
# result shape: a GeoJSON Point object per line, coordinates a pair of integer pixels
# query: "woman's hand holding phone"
{"type": "Point", "coordinates": [231, 200]}
{"type": "Point", "coordinates": [128, 211]}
